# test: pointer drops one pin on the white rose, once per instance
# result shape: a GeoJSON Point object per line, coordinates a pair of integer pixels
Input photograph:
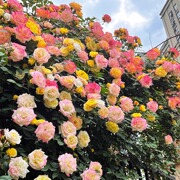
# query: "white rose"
{"type": "Point", "coordinates": [83, 139]}
{"type": "Point", "coordinates": [51, 93]}
{"type": "Point", "coordinates": [26, 100]}
{"type": "Point", "coordinates": [12, 136]}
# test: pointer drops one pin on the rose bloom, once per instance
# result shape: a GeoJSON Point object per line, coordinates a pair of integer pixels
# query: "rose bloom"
{"type": "Point", "coordinates": [114, 89]}
{"type": "Point", "coordinates": [174, 52]}
{"type": "Point", "coordinates": [23, 116]}
{"type": "Point", "coordinates": [138, 124]}
{"type": "Point", "coordinates": [37, 159]}
{"type": "Point", "coordinates": [65, 95]}
{"type": "Point", "coordinates": [83, 139]}
{"type": "Point", "coordinates": [42, 177]}
{"type": "Point", "coordinates": [112, 127]}
{"type": "Point", "coordinates": [106, 18]}
{"type": "Point", "coordinates": [90, 174]}
{"type": "Point", "coordinates": [174, 102]}
{"type": "Point", "coordinates": [51, 104]}
{"type": "Point", "coordinates": [115, 114]}
{"type": "Point", "coordinates": [18, 18]}
{"type": "Point", "coordinates": [96, 166]}
{"type": "Point", "coordinates": [93, 96]}
{"type": "Point", "coordinates": [67, 128]}
{"type": "Point", "coordinates": [126, 104]}
{"type": "Point", "coordinates": [101, 61]}
{"type": "Point", "coordinates": [45, 131]}
{"type": "Point", "coordinates": [5, 36]}
{"type": "Point", "coordinates": [168, 66]}
{"type": "Point", "coordinates": [23, 33]}
{"type": "Point", "coordinates": [49, 39]}
{"type": "Point", "coordinates": [41, 55]}
{"type": "Point", "coordinates": [66, 107]}
{"type": "Point", "coordinates": [113, 62]}
{"type": "Point", "coordinates": [18, 52]}
{"type": "Point", "coordinates": [83, 56]}
{"type": "Point", "coordinates": [26, 100]}
{"type": "Point", "coordinates": [103, 112]}
{"type": "Point", "coordinates": [146, 81]}
{"type": "Point", "coordinates": [104, 45]}
{"type": "Point", "coordinates": [53, 50]}
{"type": "Point", "coordinates": [176, 69]}
{"type": "Point", "coordinates": [116, 72]}
{"type": "Point", "coordinates": [153, 53]}
{"type": "Point", "coordinates": [67, 81]}
{"type": "Point", "coordinates": [93, 87]}
{"type": "Point", "coordinates": [12, 136]}
{"type": "Point", "coordinates": [69, 66]}
{"type": "Point", "coordinates": [152, 106]}
{"type": "Point", "coordinates": [67, 163]}
{"type": "Point", "coordinates": [168, 139]}
{"type": "Point", "coordinates": [18, 168]}
{"type": "Point", "coordinates": [51, 93]}
{"type": "Point", "coordinates": [66, 16]}
{"type": "Point", "coordinates": [38, 79]}
{"type": "Point", "coordinates": [71, 140]}
{"type": "Point", "coordinates": [111, 100]}
{"type": "Point", "coordinates": [76, 120]}
{"type": "Point", "coordinates": [114, 53]}
{"type": "Point", "coordinates": [15, 5]}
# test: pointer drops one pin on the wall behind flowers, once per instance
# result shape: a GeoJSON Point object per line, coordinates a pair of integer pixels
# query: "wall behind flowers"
{"type": "Point", "coordinates": [77, 102]}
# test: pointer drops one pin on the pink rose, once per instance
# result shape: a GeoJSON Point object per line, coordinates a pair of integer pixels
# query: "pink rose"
{"type": "Point", "coordinates": [168, 66]}
{"type": "Point", "coordinates": [18, 52]}
{"type": "Point", "coordinates": [15, 5]}
{"type": "Point", "coordinates": [18, 168]}
{"type": "Point", "coordinates": [113, 62]}
{"type": "Point", "coordinates": [96, 166]}
{"type": "Point", "coordinates": [53, 50]}
{"type": "Point", "coordinates": [152, 106]}
{"type": "Point", "coordinates": [93, 96]}
{"type": "Point", "coordinates": [138, 124]}
{"type": "Point", "coordinates": [66, 16]}
{"type": "Point", "coordinates": [45, 131]}
{"type": "Point", "coordinates": [23, 116]}
{"type": "Point", "coordinates": [66, 107]}
{"type": "Point", "coordinates": [49, 39]}
{"type": "Point", "coordinates": [37, 159]}
{"type": "Point", "coordinates": [67, 163]}
{"type": "Point", "coordinates": [51, 83]}
{"type": "Point", "coordinates": [106, 18]}
{"type": "Point", "coordinates": [67, 128]}
{"type": "Point", "coordinates": [114, 53]}
{"type": "Point", "coordinates": [83, 56]}
{"type": "Point", "coordinates": [90, 174]}
{"type": "Point", "coordinates": [146, 81]}
{"type": "Point", "coordinates": [114, 89]}
{"type": "Point", "coordinates": [93, 87]}
{"type": "Point", "coordinates": [176, 69]}
{"type": "Point", "coordinates": [18, 18]}
{"type": "Point", "coordinates": [23, 33]}
{"type": "Point", "coordinates": [152, 54]}
{"type": "Point", "coordinates": [69, 66]}
{"type": "Point", "coordinates": [41, 55]}
{"type": "Point", "coordinates": [67, 81]}
{"type": "Point", "coordinates": [168, 139]}
{"type": "Point", "coordinates": [5, 36]}
{"type": "Point", "coordinates": [38, 79]}
{"type": "Point", "coordinates": [101, 61]}
{"type": "Point", "coordinates": [115, 114]}
{"type": "Point", "coordinates": [126, 104]}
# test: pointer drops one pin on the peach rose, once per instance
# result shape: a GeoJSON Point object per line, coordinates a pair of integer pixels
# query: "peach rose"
{"type": "Point", "coordinates": [37, 159]}
{"type": "Point", "coordinates": [67, 128]}
{"type": "Point", "coordinates": [168, 139]}
{"type": "Point", "coordinates": [23, 116]}
{"type": "Point", "coordinates": [67, 163]}
{"type": "Point", "coordinates": [83, 139]}
{"type": "Point", "coordinates": [41, 55]}
{"type": "Point", "coordinates": [51, 93]}
{"type": "Point", "coordinates": [138, 124]}
{"type": "Point", "coordinates": [115, 114]}
{"type": "Point", "coordinates": [45, 131]}
{"type": "Point", "coordinates": [71, 140]}
{"type": "Point", "coordinates": [152, 106]}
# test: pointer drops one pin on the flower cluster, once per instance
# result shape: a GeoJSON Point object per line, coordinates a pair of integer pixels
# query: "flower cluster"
{"type": "Point", "coordinates": [71, 92]}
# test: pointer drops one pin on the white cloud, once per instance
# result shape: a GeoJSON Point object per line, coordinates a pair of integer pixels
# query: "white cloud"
{"type": "Point", "coordinates": [127, 16]}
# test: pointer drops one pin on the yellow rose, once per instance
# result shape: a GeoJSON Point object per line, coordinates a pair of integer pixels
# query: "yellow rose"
{"type": "Point", "coordinates": [136, 115]}
{"type": "Point", "coordinates": [83, 139]}
{"type": "Point", "coordinates": [160, 71]}
{"type": "Point", "coordinates": [15, 97]}
{"type": "Point", "coordinates": [51, 104]}
{"type": "Point", "coordinates": [31, 61]}
{"type": "Point", "coordinates": [142, 108]}
{"type": "Point", "coordinates": [90, 63]}
{"type": "Point", "coordinates": [151, 118]}
{"type": "Point", "coordinates": [93, 54]}
{"type": "Point", "coordinates": [65, 95]}
{"type": "Point", "coordinates": [82, 74]}
{"type": "Point", "coordinates": [63, 30]}
{"type": "Point", "coordinates": [1, 12]}
{"type": "Point", "coordinates": [39, 91]}
{"type": "Point", "coordinates": [37, 122]}
{"type": "Point", "coordinates": [90, 104]}
{"type": "Point", "coordinates": [112, 127]}
{"type": "Point", "coordinates": [33, 26]}
{"type": "Point", "coordinates": [11, 152]}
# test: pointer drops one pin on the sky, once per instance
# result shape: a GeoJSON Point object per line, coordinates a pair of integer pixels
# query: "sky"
{"type": "Point", "coordinates": [140, 17]}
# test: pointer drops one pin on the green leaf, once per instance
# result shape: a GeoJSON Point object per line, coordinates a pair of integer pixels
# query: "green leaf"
{"type": "Point", "coordinates": [5, 178]}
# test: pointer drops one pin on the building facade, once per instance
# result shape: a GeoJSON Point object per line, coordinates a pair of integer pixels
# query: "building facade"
{"type": "Point", "coordinates": [170, 15]}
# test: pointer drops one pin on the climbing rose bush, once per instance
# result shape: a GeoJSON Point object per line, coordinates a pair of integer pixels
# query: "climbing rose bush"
{"type": "Point", "coordinates": [77, 102]}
